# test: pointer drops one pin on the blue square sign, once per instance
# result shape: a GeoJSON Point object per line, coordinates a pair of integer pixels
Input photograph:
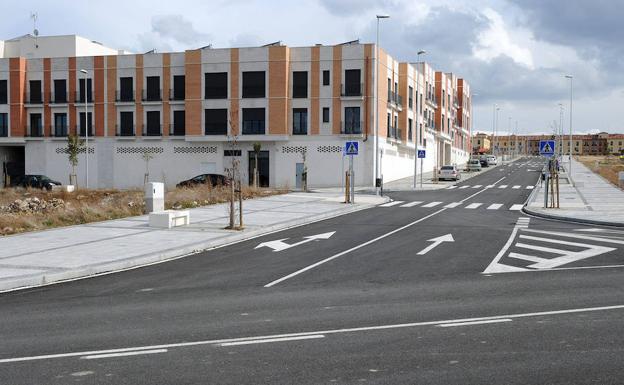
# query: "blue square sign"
{"type": "Point", "coordinates": [421, 154]}
{"type": "Point", "coordinates": [351, 148]}
{"type": "Point", "coordinates": [547, 148]}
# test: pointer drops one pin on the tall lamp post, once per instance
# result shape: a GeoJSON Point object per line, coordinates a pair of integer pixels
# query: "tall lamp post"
{"type": "Point", "coordinates": [86, 99]}
{"type": "Point", "coordinates": [560, 131]}
{"type": "Point", "coordinates": [418, 139]}
{"type": "Point", "coordinates": [376, 136]}
{"type": "Point", "coordinates": [570, 152]}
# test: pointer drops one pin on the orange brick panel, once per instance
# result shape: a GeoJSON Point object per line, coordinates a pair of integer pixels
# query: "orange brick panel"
{"type": "Point", "coordinates": [336, 88]}
{"type": "Point", "coordinates": [192, 64]}
{"type": "Point", "coordinates": [98, 83]}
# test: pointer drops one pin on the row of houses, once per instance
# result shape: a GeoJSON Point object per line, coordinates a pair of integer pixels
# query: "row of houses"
{"type": "Point", "coordinates": [196, 111]}
{"type": "Point", "coordinates": [590, 144]}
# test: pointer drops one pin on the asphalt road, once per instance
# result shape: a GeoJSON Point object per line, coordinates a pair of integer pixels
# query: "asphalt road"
{"type": "Point", "coordinates": [360, 306]}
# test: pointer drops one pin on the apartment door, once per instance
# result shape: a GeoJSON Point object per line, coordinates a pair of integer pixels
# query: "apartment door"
{"type": "Point", "coordinates": [299, 175]}
{"type": "Point", "coordinates": [263, 168]}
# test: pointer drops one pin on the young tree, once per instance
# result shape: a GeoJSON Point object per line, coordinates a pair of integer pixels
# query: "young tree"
{"type": "Point", "coordinates": [256, 147]}
{"type": "Point", "coordinates": [234, 175]}
{"type": "Point", "coordinates": [146, 158]}
{"type": "Point", "coordinates": [75, 146]}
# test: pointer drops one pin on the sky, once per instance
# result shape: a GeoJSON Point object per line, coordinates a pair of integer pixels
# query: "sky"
{"type": "Point", "coordinates": [514, 53]}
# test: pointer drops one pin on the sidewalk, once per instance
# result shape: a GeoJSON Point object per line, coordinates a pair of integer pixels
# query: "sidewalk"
{"type": "Point", "coordinates": [39, 258]}
{"type": "Point", "coordinates": [591, 199]}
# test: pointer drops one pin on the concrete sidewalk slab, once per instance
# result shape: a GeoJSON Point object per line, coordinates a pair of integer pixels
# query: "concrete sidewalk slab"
{"type": "Point", "coordinates": [590, 199]}
{"type": "Point", "coordinates": [50, 256]}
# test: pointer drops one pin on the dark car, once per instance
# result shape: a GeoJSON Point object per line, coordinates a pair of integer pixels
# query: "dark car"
{"type": "Point", "coordinates": [212, 179]}
{"type": "Point", "coordinates": [484, 161]}
{"type": "Point", "coordinates": [34, 181]}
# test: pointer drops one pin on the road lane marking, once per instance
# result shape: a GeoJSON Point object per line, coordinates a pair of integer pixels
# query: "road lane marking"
{"type": "Point", "coordinates": [319, 332]}
{"type": "Point", "coordinates": [432, 204]}
{"type": "Point", "coordinates": [436, 242]}
{"type": "Point", "coordinates": [502, 186]}
{"type": "Point", "coordinates": [578, 236]}
{"type": "Point", "coordinates": [393, 203]}
{"type": "Point", "coordinates": [495, 206]}
{"type": "Point", "coordinates": [269, 340]}
{"type": "Point", "coordinates": [463, 187]}
{"type": "Point", "coordinates": [448, 325]}
{"type": "Point", "coordinates": [312, 266]}
{"type": "Point", "coordinates": [517, 207]}
{"type": "Point", "coordinates": [473, 206]}
{"type": "Point", "coordinates": [412, 204]}
{"type": "Point", "coordinates": [125, 354]}
{"type": "Point", "coordinates": [516, 187]}
{"type": "Point", "coordinates": [495, 266]}
{"type": "Point", "coordinates": [477, 186]}
{"type": "Point", "coordinates": [451, 187]}
{"type": "Point", "coordinates": [489, 186]}
{"type": "Point", "coordinates": [452, 205]}
{"type": "Point", "coordinates": [530, 187]}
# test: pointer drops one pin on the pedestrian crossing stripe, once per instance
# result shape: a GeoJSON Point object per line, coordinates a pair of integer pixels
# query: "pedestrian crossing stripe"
{"type": "Point", "coordinates": [412, 204]}
{"type": "Point", "coordinates": [452, 205]}
{"type": "Point", "coordinates": [494, 206]}
{"type": "Point", "coordinates": [502, 186]}
{"type": "Point", "coordinates": [516, 187]}
{"type": "Point", "coordinates": [393, 203]}
{"type": "Point", "coordinates": [530, 187]}
{"type": "Point", "coordinates": [473, 206]}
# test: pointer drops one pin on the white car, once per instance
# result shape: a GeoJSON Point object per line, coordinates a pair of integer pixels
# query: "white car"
{"type": "Point", "coordinates": [491, 159]}
{"type": "Point", "coordinates": [449, 172]}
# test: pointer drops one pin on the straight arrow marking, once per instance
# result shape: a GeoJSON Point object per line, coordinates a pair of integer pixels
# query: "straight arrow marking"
{"type": "Point", "coordinates": [436, 241]}
{"type": "Point", "coordinates": [279, 244]}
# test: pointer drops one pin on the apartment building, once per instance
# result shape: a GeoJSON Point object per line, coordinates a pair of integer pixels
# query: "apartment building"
{"type": "Point", "coordinates": [196, 111]}
{"type": "Point", "coordinates": [590, 144]}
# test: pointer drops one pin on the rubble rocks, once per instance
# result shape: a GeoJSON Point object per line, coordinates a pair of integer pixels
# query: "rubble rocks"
{"type": "Point", "coordinates": [33, 205]}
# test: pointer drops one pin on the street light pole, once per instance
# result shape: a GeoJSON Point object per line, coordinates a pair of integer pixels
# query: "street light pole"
{"type": "Point", "coordinates": [560, 130]}
{"type": "Point", "coordinates": [570, 166]}
{"type": "Point", "coordinates": [418, 139]}
{"type": "Point", "coordinates": [85, 72]}
{"type": "Point", "coordinates": [494, 107]}
{"type": "Point", "coordinates": [376, 136]}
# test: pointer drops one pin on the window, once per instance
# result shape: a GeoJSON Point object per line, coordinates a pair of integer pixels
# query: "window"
{"type": "Point", "coordinates": [409, 129]}
{"type": "Point", "coordinates": [300, 84]}
{"type": "Point", "coordinates": [36, 127]}
{"type": "Point", "coordinates": [4, 125]}
{"type": "Point", "coordinates": [215, 85]}
{"type": "Point", "coordinates": [3, 92]}
{"type": "Point", "coordinates": [300, 121]}
{"type": "Point", "coordinates": [89, 123]}
{"type": "Point", "coordinates": [325, 114]}
{"type": "Point", "coordinates": [254, 85]}
{"type": "Point", "coordinates": [253, 121]}
{"type": "Point", "coordinates": [35, 92]}
{"type": "Point", "coordinates": [179, 123]}
{"type": "Point", "coordinates": [352, 121]}
{"type": "Point", "coordinates": [216, 121]}
{"type": "Point", "coordinates": [81, 90]}
{"type": "Point", "coordinates": [60, 91]}
{"type": "Point", "coordinates": [126, 127]}
{"type": "Point", "coordinates": [326, 77]}
{"type": "Point", "coordinates": [60, 124]}
{"type": "Point", "coordinates": [420, 137]}
{"type": "Point", "coordinates": [152, 127]}
{"type": "Point", "coordinates": [126, 93]}
{"type": "Point", "coordinates": [153, 89]}
{"type": "Point", "coordinates": [389, 123]}
{"type": "Point", "coordinates": [178, 88]}
{"type": "Point", "coordinates": [353, 87]}
{"type": "Point", "coordinates": [410, 97]}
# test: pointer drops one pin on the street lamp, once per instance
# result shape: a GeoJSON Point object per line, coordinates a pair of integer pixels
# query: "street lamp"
{"type": "Point", "coordinates": [418, 139]}
{"type": "Point", "coordinates": [376, 136]}
{"type": "Point", "coordinates": [85, 72]}
{"type": "Point", "coordinates": [570, 152]}
{"type": "Point", "coordinates": [560, 133]}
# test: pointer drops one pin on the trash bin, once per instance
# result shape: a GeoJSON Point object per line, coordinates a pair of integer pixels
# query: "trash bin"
{"type": "Point", "coordinates": [154, 197]}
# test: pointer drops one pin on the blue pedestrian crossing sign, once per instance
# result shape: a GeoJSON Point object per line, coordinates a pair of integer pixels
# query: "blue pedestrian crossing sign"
{"type": "Point", "coordinates": [421, 154]}
{"type": "Point", "coordinates": [547, 148]}
{"type": "Point", "coordinates": [351, 148]}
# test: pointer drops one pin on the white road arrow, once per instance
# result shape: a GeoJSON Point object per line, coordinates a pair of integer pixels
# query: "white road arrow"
{"type": "Point", "coordinates": [279, 244]}
{"type": "Point", "coordinates": [436, 242]}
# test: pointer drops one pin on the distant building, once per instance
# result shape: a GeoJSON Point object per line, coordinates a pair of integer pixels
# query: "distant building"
{"type": "Point", "coordinates": [588, 144]}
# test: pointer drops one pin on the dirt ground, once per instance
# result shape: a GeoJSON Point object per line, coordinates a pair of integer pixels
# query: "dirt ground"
{"type": "Point", "coordinates": [607, 166]}
{"type": "Point", "coordinates": [24, 210]}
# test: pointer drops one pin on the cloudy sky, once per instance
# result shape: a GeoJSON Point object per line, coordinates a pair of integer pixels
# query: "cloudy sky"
{"type": "Point", "coordinates": [513, 52]}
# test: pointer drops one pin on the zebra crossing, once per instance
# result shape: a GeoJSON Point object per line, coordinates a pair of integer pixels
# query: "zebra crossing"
{"type": "Point", "coordinates": [502, 186]}
{"type": "Point", "coordinates": [452, 205]}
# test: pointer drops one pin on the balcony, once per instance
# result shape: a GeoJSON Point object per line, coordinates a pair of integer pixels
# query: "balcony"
{"type": "Point", "coordinates": [36, 98]}
{"type": "Point", "coordinates": [394, 133]}
{"type": "Point", "coordinates": [79, 97]}
{"type": "Point", "coordinates": [124, 96]}
{"type": "Point", "coordinates": [4, 131]}
{"type": "Point", "coordinates": [60, 131]}
{"type": "Point", "coordinates": [431, 100]}
{"type": "Point", "coordinates": [34, 132]}
{"type": "Point", "coordinates": [176, 129]}
{"type": "Point", "coordinates": [394, 99]}
{"type": "Point", "coordinates": [351, 127]}
{"type": "Point", "coordinates": [176, 95]}
{"type": "Point", "coordinates": [351, 90]}
{"type": "Point", "coordinates": [151, 95]}
{"type": "Point", "coordinates": [253, 127]}
{"type": "Point", "coordinates": [58, 98]}
{"type": "Point", "coordinates": [82, 132]}
{"type": "Point", "coordinates": [152, 130]}
{"type": "Point", "coordinates": [124, 130]}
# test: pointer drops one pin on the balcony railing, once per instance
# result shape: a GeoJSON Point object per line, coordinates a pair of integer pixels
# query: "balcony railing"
{"type": "Point", "coordinates": [351, 89]}
{"type": "Point", "coordinates": [125, 96]}
{"type": "Point", "coordinates": [176, 130]}
{"type": "Point", "coordinates": [82, 132]}
{"type": "Point", "coordinates": [253, 127]}
{"type": "Point", "coordinates": [176, 94]}
{"type": "Point", "coordinates": [60, 98]}
{"type": "Point", "coordinates": [152, 130]}
{"type": "Point", "coordinates": [79, 97]}
{"type": "Point", "coordinates": [34, 132]}
{"type": "Point", "coordinates": [121, 130]}
{"type": "Point", "coordinates": [60, 131]}
{"type": "Point", "coordinates": [4, 131]}
{"type": "Point", "coordinates": [216, 128]}
{"type": "Point", "coordinates": [394, 132]}
{"type": "Point", "coordinates": [151, 95]}
{"type": "Point", "coordinates": [395, 98]}
{"type": "Point", "coordinates": [34, 98]}
{"type": "Point", "coordinates": [351, 127]}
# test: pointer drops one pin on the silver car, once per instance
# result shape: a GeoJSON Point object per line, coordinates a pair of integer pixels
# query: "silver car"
{"type": "Point", "coordinates": [474, 165]}
{"type": "Point", "coordinates": [449, 172]}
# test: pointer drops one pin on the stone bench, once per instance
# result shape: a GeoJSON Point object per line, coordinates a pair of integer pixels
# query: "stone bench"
{"type": "Point", "coordinates": [169, 218]}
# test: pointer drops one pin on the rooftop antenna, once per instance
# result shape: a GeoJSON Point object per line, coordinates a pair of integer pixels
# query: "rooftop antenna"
{"type": "Point", "coordinates": [34, 16]}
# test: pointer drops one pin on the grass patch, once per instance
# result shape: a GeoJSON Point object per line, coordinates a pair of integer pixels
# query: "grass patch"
{"type": "Point", "coordinates": [607, 166]}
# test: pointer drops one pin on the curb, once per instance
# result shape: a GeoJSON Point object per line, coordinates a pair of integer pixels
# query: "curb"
{"type": "Point", "coordinates": [528, 211]}
{"type": "Point", "coordinates": [166, 255]}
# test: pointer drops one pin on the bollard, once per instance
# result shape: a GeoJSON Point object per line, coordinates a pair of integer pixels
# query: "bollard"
{"type": "Point", "coordinates": [154, 197]}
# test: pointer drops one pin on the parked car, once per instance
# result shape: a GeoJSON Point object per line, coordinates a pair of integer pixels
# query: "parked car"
{"type": "Point", "coordinates": [34, 181]}
{"type": "Point", "coordinates": [484, 161]}
{"type": "Point", "coordinates": [449, 172]}
{"type": "Point", "coordinates": [492, 159]}
{"type": "Point", "coordinates": [474, 165]}
{"type": "Point", "coordinates": [211, 179]}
